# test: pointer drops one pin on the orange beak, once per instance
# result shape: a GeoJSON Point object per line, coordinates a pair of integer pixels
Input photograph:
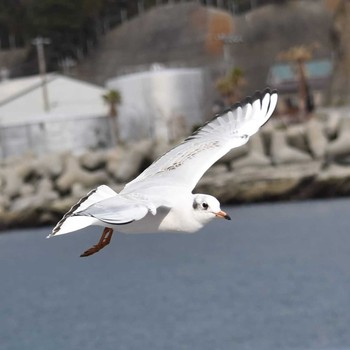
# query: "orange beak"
{"type": "Point", "coordinates": [222, 215]}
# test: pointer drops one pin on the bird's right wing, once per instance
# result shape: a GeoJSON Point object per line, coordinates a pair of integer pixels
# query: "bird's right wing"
{"type": "Point", "coordinates": [184, 165]}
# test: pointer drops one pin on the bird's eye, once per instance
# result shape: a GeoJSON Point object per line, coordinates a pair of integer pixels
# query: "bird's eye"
{"type": "Point", "coordinates": [205, 205]}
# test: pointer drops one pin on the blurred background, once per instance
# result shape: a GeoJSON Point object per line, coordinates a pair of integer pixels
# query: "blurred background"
{"type": "Point", "coordinates": [93, 91]}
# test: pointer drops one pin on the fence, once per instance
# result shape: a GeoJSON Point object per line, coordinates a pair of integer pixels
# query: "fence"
{"type": "Point", "coordinates": [38, 138]}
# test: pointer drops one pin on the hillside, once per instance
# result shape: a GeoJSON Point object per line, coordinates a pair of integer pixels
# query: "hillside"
{"type": "Point", "coordinates": [187, 34]}
{"type": "Point", "coordinates": [271, 29]}
{"type": "Point", "coordinates": [182, 34]}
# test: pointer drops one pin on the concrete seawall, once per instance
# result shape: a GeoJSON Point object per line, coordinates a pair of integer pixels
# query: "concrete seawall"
{"type": "Point", "coordinates": [300, 161]}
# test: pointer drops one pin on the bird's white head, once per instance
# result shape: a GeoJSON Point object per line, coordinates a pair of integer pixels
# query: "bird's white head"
{"type": "Point", "coordinates": [206, 208]}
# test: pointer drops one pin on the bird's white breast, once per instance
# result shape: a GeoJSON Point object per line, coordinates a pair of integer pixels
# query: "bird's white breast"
{"type": "Point", "coordinates": [179, 218]}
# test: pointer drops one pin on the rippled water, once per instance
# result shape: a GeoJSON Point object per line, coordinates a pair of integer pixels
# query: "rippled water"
{"type": "Point", "coordinates": [275, 277]}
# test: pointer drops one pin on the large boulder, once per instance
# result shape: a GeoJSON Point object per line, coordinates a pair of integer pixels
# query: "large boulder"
{"type": "Point", "coordinates": [126, 162]}
{"type": "Point", "coordinates": [248, 185]}
{"type": "Point", "coordinates": [296, 137]}
{"type": "Point", "coordinates": [282, 153]}
{"type": "Point", "coordinates": [12, 182]}
{"type": "Point", "coordinates": [339, 149]}
{"type": "Point", "coordinates": [256, 156]}
{"type": "Point", "coordinates": [4, 203]}
{"type": "Point", "coordinates": [94, 160]}
{"type": "Point", "coordinates": [74, 173]}
{"type": "Point", "coordinates": [49, 166]}
{"type": "Point", "coordinates": [236, 153]}
{"type": "Point", "coordinates": [333, 116]}
{"type": "Point", "coordinates": [333, 181]}
{"type": "Point", "coordinates": [316, 138]}
{"type": "Point", "coordinates": [14, 173]}
{"type": "Point", "coordinates": [39, 200]}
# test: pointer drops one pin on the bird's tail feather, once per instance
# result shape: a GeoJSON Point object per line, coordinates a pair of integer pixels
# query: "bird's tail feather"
{"type": "Point", "coordinates": [71, 221]}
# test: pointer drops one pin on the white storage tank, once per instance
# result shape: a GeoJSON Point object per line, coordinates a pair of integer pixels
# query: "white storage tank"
{"type": "Point", "coordinates": [163, 103]}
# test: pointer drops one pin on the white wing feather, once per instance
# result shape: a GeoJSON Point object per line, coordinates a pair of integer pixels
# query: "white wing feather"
{"type": "Point", "coordinates": [185, 164]}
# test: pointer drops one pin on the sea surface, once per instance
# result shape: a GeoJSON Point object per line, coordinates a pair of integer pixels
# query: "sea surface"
{"type": "Point", "coordinates": [275, 277]}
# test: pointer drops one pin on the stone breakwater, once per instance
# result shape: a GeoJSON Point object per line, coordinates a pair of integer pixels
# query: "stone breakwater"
{"type": "Point", "coordinates": [299, 161]}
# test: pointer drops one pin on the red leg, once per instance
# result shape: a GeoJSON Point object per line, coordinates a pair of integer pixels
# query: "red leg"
{"type": "Point", "coordinates": [104, 241]}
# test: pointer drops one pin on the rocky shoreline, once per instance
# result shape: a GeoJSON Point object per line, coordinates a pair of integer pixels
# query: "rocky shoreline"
{"type": "Point", "coordinates": [309, 160]}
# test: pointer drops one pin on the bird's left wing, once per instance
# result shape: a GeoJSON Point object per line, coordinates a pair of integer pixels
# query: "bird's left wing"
{"type": "Point", "coordinates": [185, 164]}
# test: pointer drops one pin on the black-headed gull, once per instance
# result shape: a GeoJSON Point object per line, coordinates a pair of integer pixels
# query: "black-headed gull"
{"type": "Point", "coordinates": [161, 198]}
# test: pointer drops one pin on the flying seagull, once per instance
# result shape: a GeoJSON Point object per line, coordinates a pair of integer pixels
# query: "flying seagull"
{"type": "Point", "coordinates": [161, 198]}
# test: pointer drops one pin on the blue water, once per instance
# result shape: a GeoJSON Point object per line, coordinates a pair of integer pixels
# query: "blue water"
{"type": "Point", "coordinates": [275, 277]}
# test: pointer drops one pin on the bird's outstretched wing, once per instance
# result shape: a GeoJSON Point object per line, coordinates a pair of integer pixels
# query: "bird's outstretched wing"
{"type": "Point", "coordinates": [185, 164]}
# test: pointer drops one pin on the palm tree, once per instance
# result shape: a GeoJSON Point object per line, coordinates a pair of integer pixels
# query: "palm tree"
{"type": "Point", "coordinates": [230, 85]}
{"type": "Point", "coordinates": [299, 55]}
{"type": "Point", "coordinates": [113, 99]}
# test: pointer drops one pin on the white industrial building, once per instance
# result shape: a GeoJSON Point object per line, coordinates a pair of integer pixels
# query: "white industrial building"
{"type": "Point", "coordinates": [161, 104]}
{"type": "Point", "coordinates": [75, 120]}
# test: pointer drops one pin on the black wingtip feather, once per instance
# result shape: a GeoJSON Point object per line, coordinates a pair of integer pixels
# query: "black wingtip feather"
{"type": "Point", "coordinates": [258, 95]}
{"type": "Point", "coordinates": [70, 212]}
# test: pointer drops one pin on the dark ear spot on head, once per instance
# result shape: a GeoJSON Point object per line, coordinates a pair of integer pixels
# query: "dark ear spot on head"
{"type": "Point", "coordinates": [195, 205]}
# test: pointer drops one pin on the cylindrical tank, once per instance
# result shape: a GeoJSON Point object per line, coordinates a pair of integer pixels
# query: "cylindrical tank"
{"type": "Point", "coordinates": [163, 103]}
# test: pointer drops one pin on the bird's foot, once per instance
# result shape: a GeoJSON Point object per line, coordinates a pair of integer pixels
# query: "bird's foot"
{"type": "Point", "coordinates": [104, 241]}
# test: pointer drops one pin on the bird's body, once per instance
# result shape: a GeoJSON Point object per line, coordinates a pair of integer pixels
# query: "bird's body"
{"type": "Point", "coordinates": [165, 218]}
{"type": "Point", "coordinates": [161, 198]}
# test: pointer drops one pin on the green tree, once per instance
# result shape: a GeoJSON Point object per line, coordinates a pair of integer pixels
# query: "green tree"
{"type": "Point", "coordinates": [13, 22]}
{"type": "Point", "coordinates": [71, 26]}
{"type": "Point", "coordinates": [230, 86]}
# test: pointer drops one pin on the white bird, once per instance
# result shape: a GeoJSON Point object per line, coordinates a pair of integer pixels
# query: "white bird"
{"type": "Point", "coordinates": [161, 198]}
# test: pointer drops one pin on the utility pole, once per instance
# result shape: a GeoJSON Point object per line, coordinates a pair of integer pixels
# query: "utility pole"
{"type": "Point", "coordinates": [39, 42]}
{"type": "Point", "coordinates": [66, 64]}
{"type": "Point", "coordinates": [228, 40]}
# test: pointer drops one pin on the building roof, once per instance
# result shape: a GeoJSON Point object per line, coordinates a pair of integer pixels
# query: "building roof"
{"type": "Point", "coordinates": [283, 76]}
{"type": "Point", "coordinates": [21, 100]}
